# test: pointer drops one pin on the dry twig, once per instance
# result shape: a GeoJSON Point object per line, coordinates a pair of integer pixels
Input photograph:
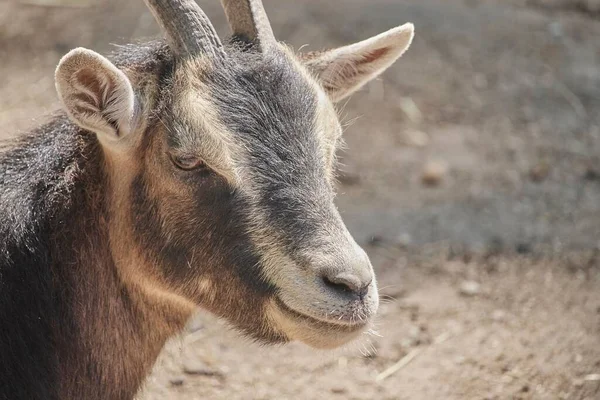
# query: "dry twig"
{"type": "Point", "coordinates": [403, 362]}
{"type": "Point", "coordinates": [411, 355]}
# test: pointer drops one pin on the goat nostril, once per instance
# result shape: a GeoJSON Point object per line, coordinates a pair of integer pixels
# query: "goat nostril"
{"type": "Point", "coordinates": [364, 290]}
{"type": "Point", "coordinates": [347, 283]}
{"type": "Point", "coordinates": [340, 287]}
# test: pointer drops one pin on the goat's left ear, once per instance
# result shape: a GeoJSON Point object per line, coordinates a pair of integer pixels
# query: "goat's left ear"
{"type": "Point", "coordinates": [96, 94]}
{"type": "Point", "coordinates": [344, 70]}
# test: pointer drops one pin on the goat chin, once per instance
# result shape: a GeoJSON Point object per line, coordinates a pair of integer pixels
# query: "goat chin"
{"type": "Point", "coordinates": [315, 333]}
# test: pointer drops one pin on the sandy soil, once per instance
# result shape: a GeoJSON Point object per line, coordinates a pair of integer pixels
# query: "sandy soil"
{"type": "Point", "coordinates": [490, 274]}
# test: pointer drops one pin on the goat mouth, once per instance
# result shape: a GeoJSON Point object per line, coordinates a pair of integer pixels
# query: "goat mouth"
{"type": "Point", "coordinates": [341, 325]}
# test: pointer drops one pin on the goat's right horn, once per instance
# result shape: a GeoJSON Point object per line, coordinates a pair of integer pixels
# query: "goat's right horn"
{"type": "Point", "coordinates": [188, 29]}
{"type": "Point", "coordinates": [248, 20]}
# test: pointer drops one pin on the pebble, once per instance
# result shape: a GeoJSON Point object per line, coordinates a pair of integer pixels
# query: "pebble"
{"type": "Point", "coordinates": [539, 172]}
{"type": "Point", "coordinates": [460, 360]}
{"type": "Point", "coordinates": [411, 110]}
{"type": "Point", "coordinates": [338, 390]}
{"type": "Point", "coordinates": [376, 240]}
{"type": "Point", "coordinates": [523, 248]}
{"type": "Point", "coordinates": [555, 29]}
{"type": "Point", "coordinates": [404, 240]}
{"type": "Point", "coordinates": [592, 378]}
{"type": "Point", "coordinates": [591, 6]}
{"type": "Point", "coordinates": [434, 172]}
{"type": "Point", "coordinates": [470, 288]}
{"type": "Point", "coordinates": [177, 380]}
{"type": "Point", "coordinates": [197, 367]}
{"type": "Point", "coordinates": [416, 138]}
{"type": "Point", "coordinates": [414, 332]}
{"type": "Point", "coordinates": [592, 175]}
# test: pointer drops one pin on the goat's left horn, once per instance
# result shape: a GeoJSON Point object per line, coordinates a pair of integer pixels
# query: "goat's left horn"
{"type": "Point", "coordinates": [188, 29]}
{"type": "Point", "coordinates": [248, 21]}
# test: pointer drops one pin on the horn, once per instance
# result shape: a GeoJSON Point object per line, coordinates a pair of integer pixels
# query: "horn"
{"type": "Point", "coordinates": [248, 20]}
{"type": "Point", "coordinates": [188, 29]}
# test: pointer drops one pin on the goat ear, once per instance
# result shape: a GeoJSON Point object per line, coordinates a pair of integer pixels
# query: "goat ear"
{"type": "Point", "coordinates": [96, 95]}
{"type": "Point", "coordinates": [344, 70]}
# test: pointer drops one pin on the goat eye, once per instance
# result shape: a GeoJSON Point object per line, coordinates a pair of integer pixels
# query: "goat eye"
{"type": "Point", "coordinates": [187, 163]}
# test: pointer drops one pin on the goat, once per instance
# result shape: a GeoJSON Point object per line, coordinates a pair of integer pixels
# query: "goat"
{"type": "Point", "coordinates": [183, 173]}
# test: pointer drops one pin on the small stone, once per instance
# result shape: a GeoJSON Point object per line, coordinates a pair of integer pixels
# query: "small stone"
{"type": "Point", "coordinates": [578, 358]}
{"type": "Point", "coordinates": [414, 332]}
{"type": "Point", "coordinates": [338, 390]}
{"type": "Point", "coordinates": [411, 110]}
{"type": "Point", "coordinates": [523, 248]}
{"type": "Point", "coordinates": [495, 246]}
{"type": "Point", "coordinates": [555, 29]}
{"type": "Point", "coordinates": [177, 381]}
{"type": "Point", "coordinates": [539, 172]}
{"type": "Point", "coordinates": [376, 240]}
{"type": "Point", "coordinates": [434, 172]}
{"type": "Point", "coordinates": [592, 378]}
{"type": "Point", "coordinates": [470, 288]}
{"type": "Point", "coordinates": [197, 367]}
{"type": "Point", "coordinates": [404, 240]}
{"type": "Point", "coordinates": [590, 6]}
{"type": "Point", "coordinates": [578, 382]}
{"type": "Point", "coordinates": [416, 138]}
{"type": "Point", "coordinates": [592, 175]}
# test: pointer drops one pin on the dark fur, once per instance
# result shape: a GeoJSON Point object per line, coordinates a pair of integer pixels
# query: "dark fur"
{"type": "Point", "coordinates": [45, 190]}
{"type": "Point", "coordinates": [265, 104]}
{"type": "Point", "coordinates": [69, 328]}
{"type": "Point", "coordinates": [63, 311]}
{"type": "Point", "coordinates": [270, 108]}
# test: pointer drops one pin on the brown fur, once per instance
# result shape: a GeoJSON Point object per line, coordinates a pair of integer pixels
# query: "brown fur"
{"type": "Point", "coordinates": [122, 320]}
{"type": "Point", "coordinates": [124, 244]}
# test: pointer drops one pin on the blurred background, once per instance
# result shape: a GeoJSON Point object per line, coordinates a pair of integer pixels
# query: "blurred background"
{"type": "Point", "coordinates": [471, 177]}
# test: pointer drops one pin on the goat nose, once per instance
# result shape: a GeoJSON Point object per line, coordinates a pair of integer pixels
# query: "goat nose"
{"type": "Point", "coordinates": [346, 282]}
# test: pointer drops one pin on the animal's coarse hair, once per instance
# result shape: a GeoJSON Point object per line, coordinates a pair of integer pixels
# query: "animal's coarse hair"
{"type": "Point", "coordinates": [183, 173]}
{"type": "Point", "coordinates": [53, 212]}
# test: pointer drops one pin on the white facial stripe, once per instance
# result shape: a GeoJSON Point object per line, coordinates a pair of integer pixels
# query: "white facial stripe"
{"type": "Point", "coordinates": [215, 142]}
{"type": "Point", "coordinates": [222, 152]}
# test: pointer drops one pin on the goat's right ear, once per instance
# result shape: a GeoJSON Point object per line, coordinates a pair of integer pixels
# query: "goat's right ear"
{"type": "Point", "coordinates": [96, 95]}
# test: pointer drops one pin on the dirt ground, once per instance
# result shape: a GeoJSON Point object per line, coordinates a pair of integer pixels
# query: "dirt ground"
{"type": "Point", "coordinates": [472, 178]}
